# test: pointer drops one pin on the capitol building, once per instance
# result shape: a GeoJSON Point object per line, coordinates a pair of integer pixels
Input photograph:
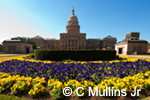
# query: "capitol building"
{"type": "Point", "coordinates": [70, 40]}
{"type": "Point", "coordinates": [73, 39]}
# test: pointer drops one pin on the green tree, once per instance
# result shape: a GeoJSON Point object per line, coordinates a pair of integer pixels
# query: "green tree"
{"type": "Point", "coordinates": [30, 40]}
{"type": "Point", "coordinates": [1, 48]}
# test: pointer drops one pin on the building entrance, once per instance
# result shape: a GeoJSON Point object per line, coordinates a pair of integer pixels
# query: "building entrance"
{"type": "Point", "coordinates": [27, 50]}
{"type": "Point", "coordinates": [120, 50]}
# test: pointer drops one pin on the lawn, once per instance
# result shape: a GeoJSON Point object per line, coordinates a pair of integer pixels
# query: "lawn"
{"type": "Point", "coordinates": [31, 79]}
{"type": "Point", "coordinates": [6, 97]}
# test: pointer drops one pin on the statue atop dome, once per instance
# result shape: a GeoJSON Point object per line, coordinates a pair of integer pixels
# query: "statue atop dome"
{"type": "Point", "coordinates": [73, 11]}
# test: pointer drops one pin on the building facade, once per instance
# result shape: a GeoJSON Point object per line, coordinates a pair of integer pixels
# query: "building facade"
{"type": "Point", "coordinates": [132, 45]}
{"type": "Point", "coordinates": [73, 39]}
{"type": "Point", "coordinates": [17, 45]}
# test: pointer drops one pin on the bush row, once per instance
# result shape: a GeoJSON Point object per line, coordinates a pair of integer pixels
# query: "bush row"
{"type": "Point", "coordinates": [78, 55]}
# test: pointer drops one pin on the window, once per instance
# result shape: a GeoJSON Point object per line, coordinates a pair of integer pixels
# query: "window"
{"type": "Point", "coordinates": [52, 42]}
{"type": "Point", "coordinates": [48, 44]}
{"type": "Point", "coordinates": [12, 48]}
{"type": "Point", "coordinates": [52, 46]}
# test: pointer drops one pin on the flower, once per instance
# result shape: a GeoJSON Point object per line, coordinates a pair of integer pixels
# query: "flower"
{"type": "Point", "coordinates": [33, 93]}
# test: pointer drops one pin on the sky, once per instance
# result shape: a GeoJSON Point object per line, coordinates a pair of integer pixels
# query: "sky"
{"type": "Point", "coordinates": [97, 18]}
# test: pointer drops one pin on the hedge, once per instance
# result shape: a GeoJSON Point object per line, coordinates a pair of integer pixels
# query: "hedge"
{"type": "Point", "coordinates": [78, 55]}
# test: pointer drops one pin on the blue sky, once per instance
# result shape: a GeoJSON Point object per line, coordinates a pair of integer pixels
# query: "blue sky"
{"type": "Point", "coordinates": [97, 18]}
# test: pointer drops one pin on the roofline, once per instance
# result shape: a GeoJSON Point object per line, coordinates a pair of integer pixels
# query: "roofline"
{"type": "Point", "coordinates": [16, 42]}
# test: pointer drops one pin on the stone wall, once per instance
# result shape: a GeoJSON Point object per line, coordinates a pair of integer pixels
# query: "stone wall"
{"type": "Point", "coordinates": [17, 48]}
{"type": "Point", "coordinates": [141, 48]}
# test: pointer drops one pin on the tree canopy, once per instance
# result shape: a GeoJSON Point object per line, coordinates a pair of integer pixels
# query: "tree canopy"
{"type": "Point", "coordinates": [30, 40]}
{"type": "Point", "coordinates": [1, 48]}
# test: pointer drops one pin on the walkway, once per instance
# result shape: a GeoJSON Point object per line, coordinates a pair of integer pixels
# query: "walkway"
{"type": "Point", "coordinates": [8, 56]}
{"type": "Point", "coordinates": [138, 56]}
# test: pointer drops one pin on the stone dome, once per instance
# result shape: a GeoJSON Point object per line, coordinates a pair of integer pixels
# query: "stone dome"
{"type": "Point", "coordinates": [73, 17]}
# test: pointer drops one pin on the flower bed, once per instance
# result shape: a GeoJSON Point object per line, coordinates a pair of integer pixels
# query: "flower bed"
{"type": "Point", "coordinates": [94, 72]}
{"type": "Point", "coordinates": [18, 84]}
{"type": "Point", "coordinates": [35, 77]}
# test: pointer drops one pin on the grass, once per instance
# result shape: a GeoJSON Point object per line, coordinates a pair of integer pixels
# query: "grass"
{"type": "Point", "coordinates": [6, 97]}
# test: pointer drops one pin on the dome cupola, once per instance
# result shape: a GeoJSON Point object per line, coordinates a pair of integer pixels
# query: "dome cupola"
{"type": "Point", "coordinates": [72, 26]}
{"type": "Point", "coordinates": [73, 18]}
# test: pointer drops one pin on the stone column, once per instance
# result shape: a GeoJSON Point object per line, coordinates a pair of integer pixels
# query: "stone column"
{"type": "Point", "coordinates": [67, 44]}
{"type": "Point", "coordinates": [84, 44]}
{"type": "Point", "coordinates": [71, 44]}
{"type": "Point", "coordinates": [78, 42]}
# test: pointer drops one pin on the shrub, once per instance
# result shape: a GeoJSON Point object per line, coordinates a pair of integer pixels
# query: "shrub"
{"type": "Point", "coordinates": [78, 55]}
